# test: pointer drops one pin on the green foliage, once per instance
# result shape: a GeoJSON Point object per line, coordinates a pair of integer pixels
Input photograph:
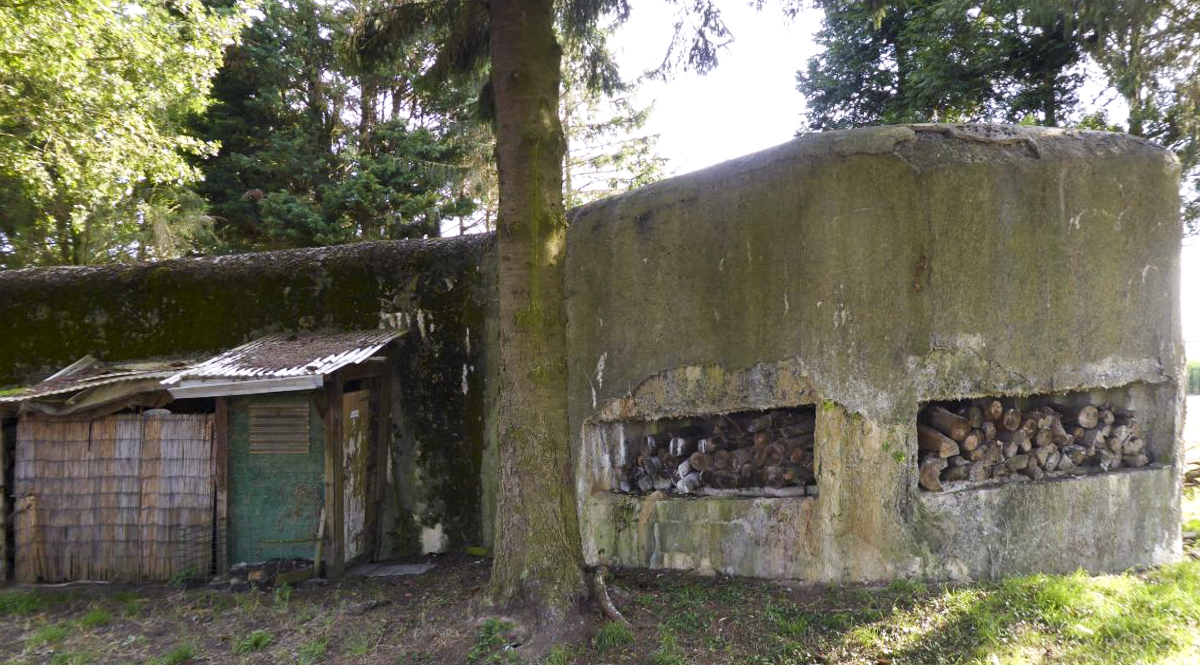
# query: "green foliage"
{"type": "Point", "coordinates": [559, 655]}
{"type": "Point", "coordinates": [491, 644]}
{"type": "Point", "coordinates": [92, 144]}
{"type": "Point", "coordinates": [255, 641]}
{"type": "Point", "coordinates": [180, 579]}
{"type": "Point", "coordinates": [944, 60]}
{"type": "Point", "coordinates": [788, 620]}
{"type": "Point", "coordinates": [1193, 377]}
{"type": "Point", "coordinates": [48, 635]}
{"type": "Point", "coordinates": [607, 152]}
{"type": "Point", "coordinates": [283, 596]}
{"type": "Point", "coordinates": [319, 149]}
{"type": "Point", "coordinates": [612, 635]}
{"type": "Point", "coordinates": [668, 651]}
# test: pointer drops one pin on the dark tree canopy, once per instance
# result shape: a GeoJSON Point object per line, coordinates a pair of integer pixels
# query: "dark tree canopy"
{"type": "Point", "coordinates": [1011, 61]}
{"type": "Point", "coordinates": [947, 60]}
{"type": "Point", "coordinates": [316, 150]}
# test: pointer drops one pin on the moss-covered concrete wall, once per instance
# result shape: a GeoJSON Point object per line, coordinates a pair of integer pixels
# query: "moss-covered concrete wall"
{"type": "Point", "coordinates": [868, 271]}
{"type": "Point", "coordinates": [440, 291]}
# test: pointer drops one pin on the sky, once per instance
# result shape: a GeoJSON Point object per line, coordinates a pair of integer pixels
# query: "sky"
{"type": "Point", "coordinates": [749, 102]}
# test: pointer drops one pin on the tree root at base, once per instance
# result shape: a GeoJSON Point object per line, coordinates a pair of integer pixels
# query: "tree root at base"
{"type": "Point", "coordinates": [600, 592]}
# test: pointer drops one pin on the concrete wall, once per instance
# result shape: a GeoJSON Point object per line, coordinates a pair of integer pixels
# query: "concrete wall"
{"type": "Point", "coordinates": [868, 271]}
{"type": "Point", "coordinates": [439, 291]}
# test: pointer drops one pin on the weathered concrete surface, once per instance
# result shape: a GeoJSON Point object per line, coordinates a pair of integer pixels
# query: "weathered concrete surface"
{"type": "Point", "coordinates": [875, 269]}
{"type": "Point", "coordinates": [440, 291]}
{"type": "Point", "coordinates": [1107, 522]}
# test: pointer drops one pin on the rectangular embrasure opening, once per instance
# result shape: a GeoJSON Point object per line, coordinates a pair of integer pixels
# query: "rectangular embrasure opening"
{"type": "Point", "coordinates": [749, 453]}
{"type": "Point", "coordinates": [976, 442]}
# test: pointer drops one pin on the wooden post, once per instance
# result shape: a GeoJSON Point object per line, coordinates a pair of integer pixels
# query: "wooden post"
{"type": "Point", "coordinates": [5, 509]}
{"type": "Point", "coordinates": [334, 528]}
{"type": "Point", "coordinates": [221, 482]}
{"type": "Point", "coordinates": [383, 454]}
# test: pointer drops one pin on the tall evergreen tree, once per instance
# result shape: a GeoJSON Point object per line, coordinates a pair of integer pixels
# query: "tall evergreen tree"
{"type": "Point", "coordinates": [538, 561]}
{"type": "Point", "coordinates": [948, 60]}
{"type": "Point", "coordinates": [317, 150]}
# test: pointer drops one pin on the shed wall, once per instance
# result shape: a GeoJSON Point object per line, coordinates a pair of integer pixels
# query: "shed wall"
{"type": "Point", "coordinates": [126, 497]}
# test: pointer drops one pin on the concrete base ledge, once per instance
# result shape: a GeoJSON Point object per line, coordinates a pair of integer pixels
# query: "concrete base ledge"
{"type": "Point", "coordinates": [1107, 523]}
{"type": "Point", "coordinates": [751, 536]}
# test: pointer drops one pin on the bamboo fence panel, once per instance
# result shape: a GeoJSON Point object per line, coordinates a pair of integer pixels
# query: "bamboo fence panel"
{"type": "Point", "coordinates": [176, 519]}
{"type": "Point", "coordinates": [93, 504]}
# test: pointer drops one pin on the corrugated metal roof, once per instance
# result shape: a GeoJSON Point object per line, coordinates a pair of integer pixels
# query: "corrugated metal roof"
{"type": "Point", "coordinates": [290, 355]}
{"type": "Point", "coordinates": [90, 373]}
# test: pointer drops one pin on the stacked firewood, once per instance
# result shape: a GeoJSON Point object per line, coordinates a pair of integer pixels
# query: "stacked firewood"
{"type": "Point", "coordinates": [989, 440]}
{"type": "Point", "coordinates": [772, 449]}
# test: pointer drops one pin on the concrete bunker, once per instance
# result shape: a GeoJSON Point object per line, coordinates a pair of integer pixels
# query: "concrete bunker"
{"type": "Point", "coordinates": [876, 275]}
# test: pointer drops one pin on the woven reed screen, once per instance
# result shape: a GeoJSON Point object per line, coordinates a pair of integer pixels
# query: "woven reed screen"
{"type": "Point", "coordinates": [126, 497]}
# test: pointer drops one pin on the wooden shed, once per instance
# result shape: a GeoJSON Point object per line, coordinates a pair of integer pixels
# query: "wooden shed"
{"type": "Point", "coordinates": [149, 471]}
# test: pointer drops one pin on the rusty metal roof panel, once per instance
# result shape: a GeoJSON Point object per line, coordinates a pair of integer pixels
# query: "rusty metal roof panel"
{"type": "Point", "coordinates": [89, 373]}
{"type": "Point", "coordinates": [290, 355]}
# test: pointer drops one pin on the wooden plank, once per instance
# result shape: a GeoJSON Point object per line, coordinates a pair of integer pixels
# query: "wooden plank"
{"type": "Point", "coordinates": [4, 508]}
{"type": "Point", "coordinates": [280, 427]}
{"type": "Point", "coordinates": [335, 555]}
{"type": "Point", "coordinates": [355, 446]}
{"type": "Point", "coordinates": [368, 369]}
{"type": "Point", "coordinates": [221, 482]}
{"type": "Point", "coordinates": [381, 444]}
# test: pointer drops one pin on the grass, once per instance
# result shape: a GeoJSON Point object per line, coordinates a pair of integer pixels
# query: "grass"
{"type": "Point", "coordinates": [559, 655]}
{"type": "Point", "coordinates": [1146, 617]}
{"type": "Point", "coordinates": [95, 618]}
{"type": "Point", "coordinates": [612, 635]}
{"type": "Point", "coordinates": [255, 641]}
{"type": "Point", "coordinates": [312, 651]}
{"type": "Point", "coordinates": [180, 654]}
{"type": "Point", "coordinates": [48, 635]}
{"type": "Point", "coordinates": [24, 603]}
{"type": "Point", "coordinates": [491, 643]}
{"type": "Point", "coordinates": [70, 658]}
{"type": "Point", "coordinates": [668, 651]}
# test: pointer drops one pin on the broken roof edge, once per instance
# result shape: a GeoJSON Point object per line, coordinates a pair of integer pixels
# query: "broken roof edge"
{"type": "Point", "coordinates": [285, 355]}
{"type": "Point", "coordinates": [291, 361]}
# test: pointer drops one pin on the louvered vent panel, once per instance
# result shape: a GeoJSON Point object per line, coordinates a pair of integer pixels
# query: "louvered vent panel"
{"type": "Point", "coordinates": [279, 427]}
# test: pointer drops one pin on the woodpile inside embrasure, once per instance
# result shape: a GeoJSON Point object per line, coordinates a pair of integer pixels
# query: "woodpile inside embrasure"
{"type": "Point", "coordinates": [728, 453]}
{"type": "Point", "coordinates": [990, 440]}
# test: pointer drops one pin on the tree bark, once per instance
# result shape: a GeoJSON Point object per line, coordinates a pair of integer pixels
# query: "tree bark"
{"type": "Point", "coordinates": [538, 561]}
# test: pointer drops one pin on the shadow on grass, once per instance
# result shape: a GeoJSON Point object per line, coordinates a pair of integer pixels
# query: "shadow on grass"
{"type": "Point", "coordinates": [1131, 618]}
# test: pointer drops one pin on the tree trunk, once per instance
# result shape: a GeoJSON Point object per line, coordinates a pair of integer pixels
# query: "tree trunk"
{"type": "Point", "coordinates": [538, 561]}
